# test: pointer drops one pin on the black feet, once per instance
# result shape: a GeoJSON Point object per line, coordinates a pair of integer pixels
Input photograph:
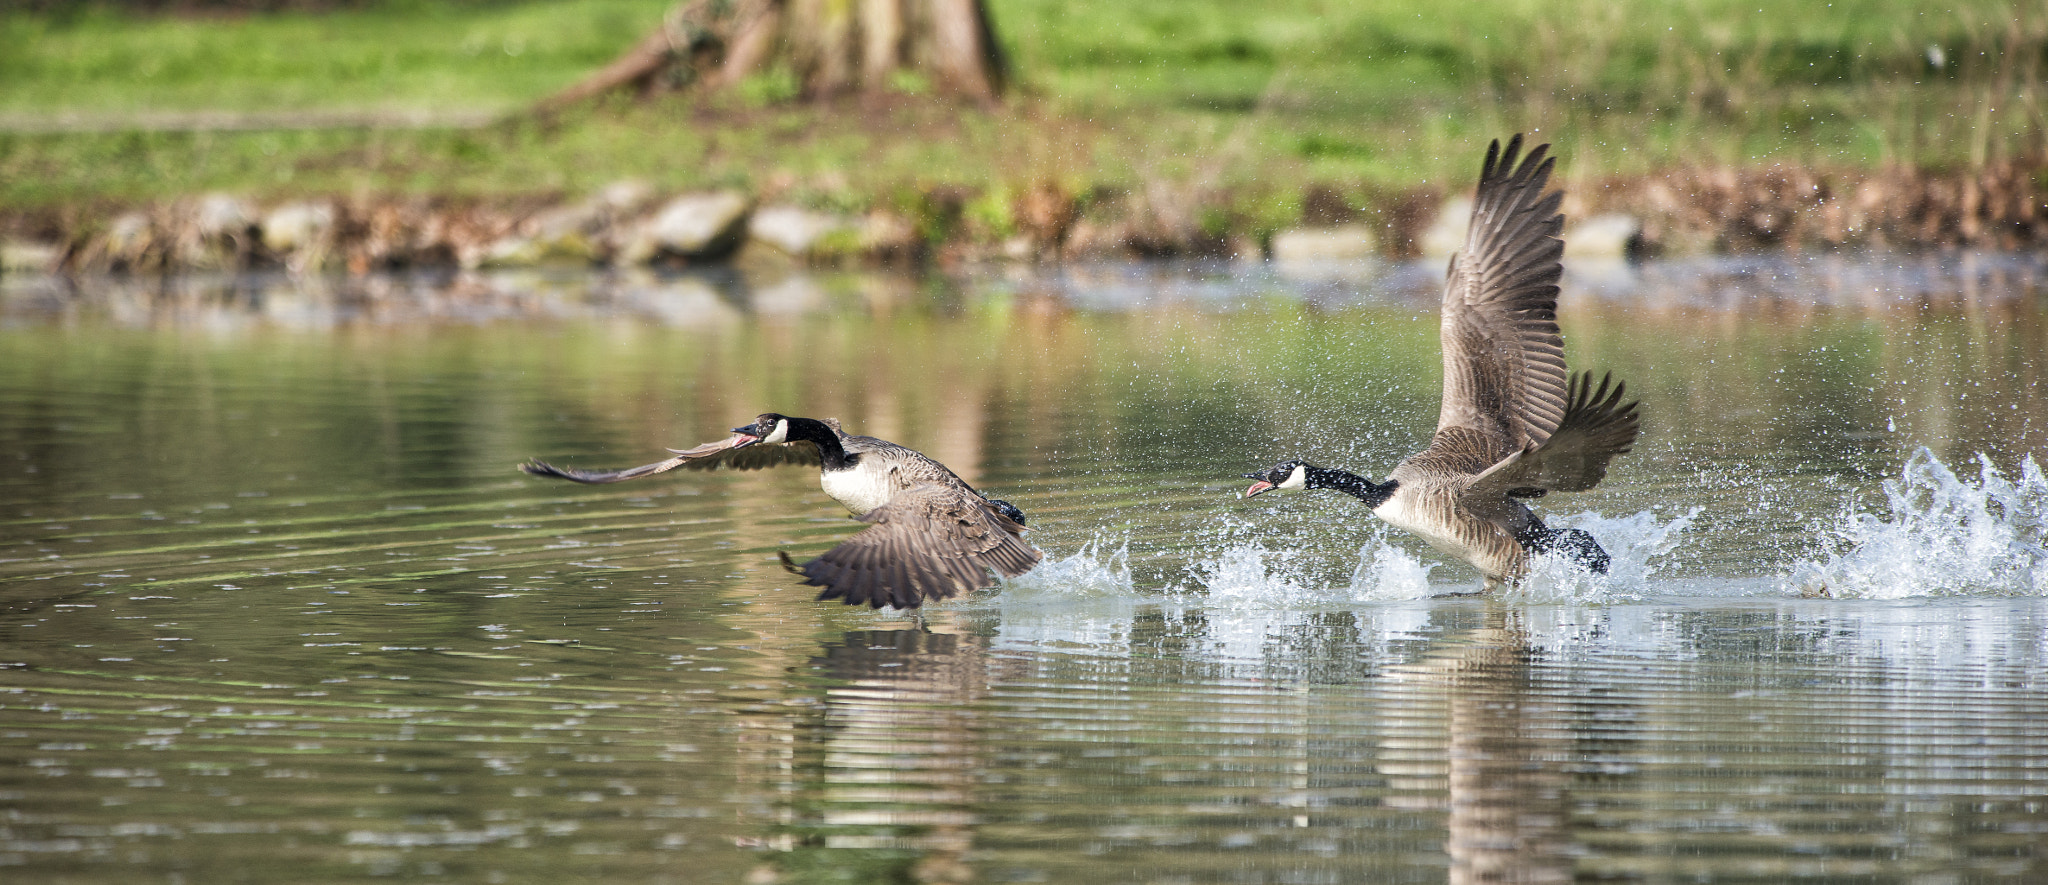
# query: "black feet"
{"type": "Point", "coordinates": [1576, 545]}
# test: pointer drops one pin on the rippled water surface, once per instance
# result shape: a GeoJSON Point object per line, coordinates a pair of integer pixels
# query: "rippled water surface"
{"type": "Point", "coordinates": [275, 606]}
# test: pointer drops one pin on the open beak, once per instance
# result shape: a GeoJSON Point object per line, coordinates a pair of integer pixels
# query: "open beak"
{"type": "Point", "coordinates": [1259, 487]}
{"type": "Point", "coordinates": [743, 437]}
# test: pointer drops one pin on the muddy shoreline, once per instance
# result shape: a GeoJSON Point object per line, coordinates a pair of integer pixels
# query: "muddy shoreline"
{"type": "Point", "coordinates": [2002, 205]}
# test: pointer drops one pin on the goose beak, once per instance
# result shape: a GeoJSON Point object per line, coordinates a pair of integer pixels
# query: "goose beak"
{"type": "Point", "coordinates": [1258, 488]}
{"type": "Point", "coordinates": [743, 437]}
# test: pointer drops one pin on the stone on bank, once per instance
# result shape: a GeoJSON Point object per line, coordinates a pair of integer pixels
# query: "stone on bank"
{"type": "Point", "coordinates": [691, 228]}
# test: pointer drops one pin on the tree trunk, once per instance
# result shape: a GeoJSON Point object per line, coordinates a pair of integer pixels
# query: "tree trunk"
{"type": "Point", "coordinates": [881, 31]}
{"type": "Point", "coordinates": [752, 44]}
{"type": "Point", "coordinates": [831, 47]}
{"type": "Point", "coordinates": [965, 59]}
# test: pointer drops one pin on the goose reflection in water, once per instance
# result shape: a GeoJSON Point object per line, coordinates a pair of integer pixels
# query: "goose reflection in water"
{"type": "Point", "coordinates": [889, 760]}
{"type": "Point", "coordinates": [1506, 792]}
{"type": "Point", "coordinates": [891, 767]}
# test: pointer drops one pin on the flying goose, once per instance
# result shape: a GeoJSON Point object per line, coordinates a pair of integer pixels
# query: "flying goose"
{"type": "Point", "coordinates": [1513, 425]}
{"type": "Point", "coordinates": [930, 535]}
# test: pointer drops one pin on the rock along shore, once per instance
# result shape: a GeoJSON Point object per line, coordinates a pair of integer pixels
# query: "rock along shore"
{"type": "Point", "coordinates": [1691, 211]}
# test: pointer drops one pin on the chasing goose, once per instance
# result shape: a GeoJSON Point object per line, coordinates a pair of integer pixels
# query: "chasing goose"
{"type": "Point", "coordinates": [930, 535]}
{"type": "Point", "coordinates": [1513, 425]}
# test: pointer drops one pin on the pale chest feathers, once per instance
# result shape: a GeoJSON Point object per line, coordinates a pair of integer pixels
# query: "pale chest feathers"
{"type": "Point", "coordinates": [1484, 539]}
{"type": "Point", "coordinates": [1428, 514]}
{"type": "Point", "coordinates": [865, 486]}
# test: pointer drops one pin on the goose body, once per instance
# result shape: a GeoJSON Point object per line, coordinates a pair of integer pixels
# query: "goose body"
{"type": "Point", "coordinates": [869, 484]}
{"type": "Point", "coordinates": [1513, 424]}
{"type": "Point", "coordinates": [930, 535]}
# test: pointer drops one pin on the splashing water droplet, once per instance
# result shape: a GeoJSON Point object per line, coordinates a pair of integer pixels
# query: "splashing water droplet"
{"type": "Point", "coordinates": [1943, 535]}
{"type": "Point", "coordinates": [1388, 572]}
{"type": "Point", "coordinates": [1092, 572]}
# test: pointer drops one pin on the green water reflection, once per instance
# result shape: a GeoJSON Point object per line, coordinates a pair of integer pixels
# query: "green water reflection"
{"type": "Point", "coordinates": [275, 606]}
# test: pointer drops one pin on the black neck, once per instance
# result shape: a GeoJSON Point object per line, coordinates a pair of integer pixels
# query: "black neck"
{"type": "Point", "coordinates": [815, 431]}
{"type": "Point", "coordinates": [1372, 493]}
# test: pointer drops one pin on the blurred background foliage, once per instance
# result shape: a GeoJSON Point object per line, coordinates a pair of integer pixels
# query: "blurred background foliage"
{"type": "Point", "coordinates": [160, 97]}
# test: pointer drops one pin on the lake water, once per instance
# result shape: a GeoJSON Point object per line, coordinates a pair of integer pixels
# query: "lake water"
{"type": "Point", "coordinates": [275, 605]}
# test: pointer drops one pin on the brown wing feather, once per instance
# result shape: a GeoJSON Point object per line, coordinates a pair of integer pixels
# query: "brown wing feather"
{"type": "Point", "coordinates": [1504, 372]}
{"type": "Point", "coordinates": [709, 456]}
{"type": "Point", "coordinates": [930, 542]}
{"type": "Point", "coordinates": [1597, 427]}
{"type": "Point", "coordinates": [1453, 451]}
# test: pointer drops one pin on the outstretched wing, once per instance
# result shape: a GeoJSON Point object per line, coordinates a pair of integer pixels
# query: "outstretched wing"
{"type": "Point", "coordinates": [929, 542]}
{"type": "Point", "coordinates": [1504, 373]}
{"type": "Point", "coordinates": [725, 453]}
{"type": "Point", "coordinates": [1596, 427]}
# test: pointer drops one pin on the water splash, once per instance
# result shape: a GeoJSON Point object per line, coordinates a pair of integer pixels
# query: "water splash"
{"type": "Point", "coordinates": [1251, 574]}
{"type": "Point", "coordinates": [1944, 535]}
{"type": "Point", "coordinates": [1093, 572]}
{"type": "Point", "coordinates": [1386, 571]}
{"type": "Point", "coordinates": [1636, 545]}
{"type": "Point", "coordinates": [1085, 601]}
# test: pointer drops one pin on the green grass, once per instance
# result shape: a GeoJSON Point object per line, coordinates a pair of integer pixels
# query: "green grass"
{"type": "Point", "coordinates": [1206, 94]}
{"type": "Point", "coordinates": [398, 58]}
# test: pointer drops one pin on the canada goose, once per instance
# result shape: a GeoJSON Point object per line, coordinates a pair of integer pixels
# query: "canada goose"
{"type": "Point", "coordinates": [1513, 425]}
{"type": "Point", "coordinates": [930, 534]}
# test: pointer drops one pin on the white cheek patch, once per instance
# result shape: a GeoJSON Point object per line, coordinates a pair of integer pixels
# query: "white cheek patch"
{"type": "Point", "coordinates": [781, 433]}
{"type": "Point", "coordinates": [1296, 480]}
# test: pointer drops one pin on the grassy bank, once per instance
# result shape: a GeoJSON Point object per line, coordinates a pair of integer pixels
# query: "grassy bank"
{"type": "Point", "coordinates": [1185, 99]}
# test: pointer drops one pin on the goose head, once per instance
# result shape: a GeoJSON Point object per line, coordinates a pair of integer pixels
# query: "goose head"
{"type": "Point", "coordinates": [769, 427]}
{"type": "Point", "coordinates": [1292, 474]}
